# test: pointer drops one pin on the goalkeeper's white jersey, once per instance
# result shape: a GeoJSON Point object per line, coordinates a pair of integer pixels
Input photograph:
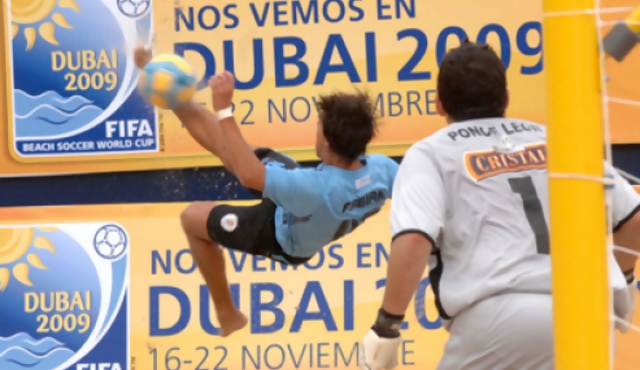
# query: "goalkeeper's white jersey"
{"type": "Point", "coordinates": [478, 189]}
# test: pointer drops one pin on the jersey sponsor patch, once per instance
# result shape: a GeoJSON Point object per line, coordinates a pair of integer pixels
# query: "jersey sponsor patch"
{"type": "Point", "coordinates": [487, 163]}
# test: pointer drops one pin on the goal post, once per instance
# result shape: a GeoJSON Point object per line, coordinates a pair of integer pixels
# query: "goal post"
{"type": "Point", "coordinates": [578, 224]}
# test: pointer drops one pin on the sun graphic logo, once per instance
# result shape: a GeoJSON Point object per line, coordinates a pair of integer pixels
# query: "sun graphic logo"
{"type": "Point", "coordinates": [110, 242]}
{"type": "Point", "coordinates": [134, 8]}
{"type": "Point", "coordinates": [14, 260]}
{"type": "Point", "coordinates": [40, 15]}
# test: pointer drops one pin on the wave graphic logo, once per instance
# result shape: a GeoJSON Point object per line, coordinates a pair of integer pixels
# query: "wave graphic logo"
{"type": "Point", "coordinates": [62, 302]}
{"type": "Point", "coordinates": [50, 114]}
{"type": "Point", "coordinates": [21, 351]}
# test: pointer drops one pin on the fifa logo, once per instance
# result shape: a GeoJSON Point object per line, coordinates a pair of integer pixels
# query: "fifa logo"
{"type": "Point", "coordinates": [63, 285]}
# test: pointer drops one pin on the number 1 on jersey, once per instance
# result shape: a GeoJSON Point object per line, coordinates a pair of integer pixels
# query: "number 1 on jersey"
{"type": "Point", "coordinates": [533, 210]}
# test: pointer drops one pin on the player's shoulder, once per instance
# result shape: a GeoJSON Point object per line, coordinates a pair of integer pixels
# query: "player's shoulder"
{"type": "Point", "coordinates": [379, 160]}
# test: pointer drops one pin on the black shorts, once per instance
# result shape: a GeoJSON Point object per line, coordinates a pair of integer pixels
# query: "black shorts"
{"type": "Point", "coordinates": [252, 229]}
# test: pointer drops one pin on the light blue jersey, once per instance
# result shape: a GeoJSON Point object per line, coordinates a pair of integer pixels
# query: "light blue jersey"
{"type": "Point", "coordinates": [319, 205]}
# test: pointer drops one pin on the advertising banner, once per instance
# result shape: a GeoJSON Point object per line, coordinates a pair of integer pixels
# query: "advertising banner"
{"type": "Point", "coordinates": [99, 288]}
{"type": "Point", "coordinates": [71, 105]}
{"type": "Point", "coordinates": [70, 298]}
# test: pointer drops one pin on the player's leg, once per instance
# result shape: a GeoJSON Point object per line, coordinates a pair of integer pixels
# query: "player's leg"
{"type": "Point", "coordinates": [210, 260]}
{"type": "Point", "coordinates": [201, 123]}
{"type": "Point", "coordinates": [505, 332]}
{"type": "Point", "coordinates": [246, 229]}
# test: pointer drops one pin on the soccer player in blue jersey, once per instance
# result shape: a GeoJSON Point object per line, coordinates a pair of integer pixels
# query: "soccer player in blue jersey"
{"type": "Point", "coordinates": [303, 209]}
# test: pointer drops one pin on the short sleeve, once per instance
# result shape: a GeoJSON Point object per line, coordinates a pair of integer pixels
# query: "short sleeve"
{"type": "Point", "coordinates": [418, 204]}
{"type": "Point", "coordinates": [296, 190]}
{"type": "Point", "coordinates": [392, 171]}
{"type": "Point", "coordinates": [623, 199]}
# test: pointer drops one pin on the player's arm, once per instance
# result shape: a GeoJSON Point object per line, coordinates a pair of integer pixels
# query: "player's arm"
{"type": "Point", "coordinates": [392, 170]}
{"type": "Point", "coordinates": [201, 123]}
{"type": "Point", "coordinates": [417, 216]}
{"type": "Point", "coordinates": [625, 203]}
{"type": "Point", "coordinates": [246, 166]}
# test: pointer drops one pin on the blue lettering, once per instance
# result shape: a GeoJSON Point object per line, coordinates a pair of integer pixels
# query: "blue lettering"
{"type": "Point", "coordinates": [258, 64]}
{"type": "Point", "coordinates": [306, 109]}
{"type": "Point", "coordinates": [246, 353]}
{"type": "Point", "coordinates": [406, 353]}
{"type": "Point", "coordinates": [336, 42]}
{"type": "Point", "coordinates": [313, 289]}
{"type": "Point", "coordinates": [431, 101]}
{"type": "Point", "coordinates": [191, 268]}
{"type": "Point", "coordinates": [216, 17]}
{"type": "Point", "coordinates": [257, 259]}
{"type": "Point", "coordinates": [281, 61]}
{"type": "Point", "coordinates": [205, 22]}
{"type": "Point", "coordinates": [371, 56]}
{"type": "Point", "coordinates": [237, 265]}
{"type": "Point", "coordinates": [381, 254]}
{"type": "Point", "coordinates": [154, 311]}
{"type": "Point", "coordinates": [357, 9]}
{"type": "Point", "coordinates": [349, 305]}
{"type": "Point", "coordinates": [261, 20]}
{"type": "Point", "coordinates": [282, 357]}
{"type": "Point", "coordinates": [353, 355]}
{"type": "Point", "coordinates": [360, 255]}
{"type": "Point", "coordinates": [408, 8]}
{"type": "Point", "coordinates": [187, 20]}
{"type": "Point", "coordinates": [257, 307]}
{"type": "Point", "coordinates": [419, 307]}
{"type": "Point", "coordinates": [322, 354]}
{"type": "Point", "coordinates": [530, 50]}
{"type": "Point", "coordinates": [381, 8]}
{"type": "Point", "coordinates": [413, 98]}
{"type": "Point", "coordinates": [395, 100]}
{"type": "Point", "coordinates": [339, 260]}
{"type": "Point", "coordinates": [165, 264]}
{"type": "Point", "coordinates": [327, 14]}
{"type": "Point", "coordinates": [310, 15]}
{"type": "Point", "coordinates": [320, 256]}
{"type": "Point", "coordinates": [180, 48]}
{"type": "Point", "coordinates": [234, 18]}
{"type": "Point", "coordinates": [278, 13]}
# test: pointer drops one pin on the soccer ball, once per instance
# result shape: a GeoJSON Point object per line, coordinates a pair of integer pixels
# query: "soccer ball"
{"type": "Point", "coordinates": [167, 81]}
{"type": "Point", "coordinates": [133, 8]}
{"type": "Point", "coordinates": [110, 241]}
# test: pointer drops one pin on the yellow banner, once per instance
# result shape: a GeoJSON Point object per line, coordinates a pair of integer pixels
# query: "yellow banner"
{"type": "Point", "coordinates": [71, 103]}
{"type": "Point", "coordinates": [97, 287]}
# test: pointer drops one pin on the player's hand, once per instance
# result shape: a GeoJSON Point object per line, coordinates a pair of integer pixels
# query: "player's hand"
{"type": "Point", "coordinates": [628, 317]}
{"type": "Point", "coordinates": [379, 353]}
{"type": "Point", "coordinates": [142, 55]}
{"type": "Point", "coordinates": [222, 86]}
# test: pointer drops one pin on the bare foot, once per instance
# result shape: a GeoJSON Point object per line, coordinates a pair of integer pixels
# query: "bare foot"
{"type": "Point", "coordinates": [142, 55]}
{"type": "Point", "coordinates": [233, 323]}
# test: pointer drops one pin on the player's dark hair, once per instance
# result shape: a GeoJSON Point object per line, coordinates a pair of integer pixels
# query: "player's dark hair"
{"type": "Point", "coordinates": [472, 83]}
{"type": "Point", "coordinates": [348, 122]}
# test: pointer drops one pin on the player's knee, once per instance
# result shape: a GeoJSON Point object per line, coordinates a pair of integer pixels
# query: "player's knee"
{"type": "Point", "coordinates": [194, 218]}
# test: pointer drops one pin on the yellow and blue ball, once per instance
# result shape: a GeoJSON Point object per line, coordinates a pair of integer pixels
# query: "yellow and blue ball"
{"type": "Point", "coordinates": [168, 81]}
